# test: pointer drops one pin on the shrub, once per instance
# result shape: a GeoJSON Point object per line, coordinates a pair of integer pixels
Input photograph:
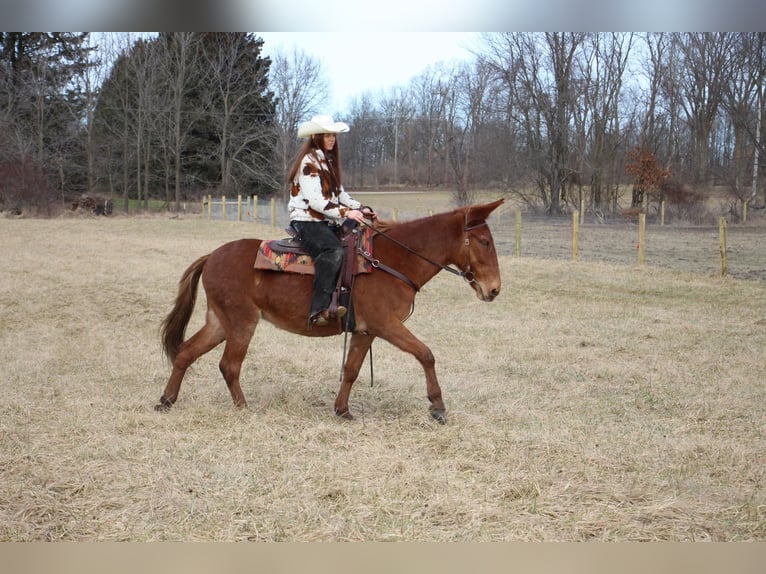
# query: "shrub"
{"type": "Point", "coordinates": [25, 186]}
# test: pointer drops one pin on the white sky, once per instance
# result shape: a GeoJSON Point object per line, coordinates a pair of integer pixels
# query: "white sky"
{"type": "Point", "coordinates": [356, 63]}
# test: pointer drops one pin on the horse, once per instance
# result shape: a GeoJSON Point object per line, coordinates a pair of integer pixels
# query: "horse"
{"type": "Point", "coordinates": [406, 256]}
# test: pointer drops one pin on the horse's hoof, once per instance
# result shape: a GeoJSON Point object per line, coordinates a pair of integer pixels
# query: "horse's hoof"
{"type": "Point", "coordinates": [164, 405]}
{"type": "Point", "coordinates": [440, 417]}
{"type": "Point", "coordinates": [345, 415]}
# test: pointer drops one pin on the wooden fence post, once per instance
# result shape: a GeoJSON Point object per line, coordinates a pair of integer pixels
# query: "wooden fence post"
{"type": "Point", "coordinates": [255, 209]}
{"type": "Point", "coordinates": [575, 234]}
{"type": "Point", "coordinates": [662, 213]}
{"type": "Point", "coordinates": [722, 242]}
{"type": "Point", "coordinates": [518, 233]}
{"type": "Point", "coordinates": [209, 206]}
{"type": "Point", "coordinates": [582, 211]}
{"type": "Point", "coordinates": [239, 207]}
{"type": "Point", "coordinates": [223, 208]}
{"type": "Point", "coordinates": [641, 238]}
{"type": "Point", "coordinates": [273, 211]}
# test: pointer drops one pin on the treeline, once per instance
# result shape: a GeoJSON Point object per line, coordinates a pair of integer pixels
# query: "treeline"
{"type": "Point", "coordinates": [555, 119]}
{"type": "Point", "coordinates": [133, 118]}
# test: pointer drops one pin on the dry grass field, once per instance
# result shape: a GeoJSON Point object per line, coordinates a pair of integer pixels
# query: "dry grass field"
{"type": "Point", "coordinates": [595, 400]}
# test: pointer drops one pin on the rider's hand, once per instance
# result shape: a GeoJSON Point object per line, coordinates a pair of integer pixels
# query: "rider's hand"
{"type": "Point", "coordinates": [356, 215]}
{"type": "Point", "coordinates": [360, 214]}
{"type": "Point", "coordinates": [369, 212]}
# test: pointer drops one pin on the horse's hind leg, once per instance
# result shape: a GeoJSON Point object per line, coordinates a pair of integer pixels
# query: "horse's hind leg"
{"type": "Point", "coordinates": [208, 337]}
{"type": "Point", "coordinates": [231, 362]}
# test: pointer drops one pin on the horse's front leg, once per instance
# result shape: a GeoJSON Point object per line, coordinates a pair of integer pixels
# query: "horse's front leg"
{"type": "Point", "coordinates": [399, 336]}
{"type": "Point", "coordinates": [358, 348]}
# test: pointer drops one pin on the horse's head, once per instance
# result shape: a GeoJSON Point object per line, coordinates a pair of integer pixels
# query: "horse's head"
{"type": "Point", "coordinates": [479, 260]}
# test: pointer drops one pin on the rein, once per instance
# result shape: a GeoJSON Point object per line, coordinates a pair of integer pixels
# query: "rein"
{"type": "Point", "coordinates": [467, 275]}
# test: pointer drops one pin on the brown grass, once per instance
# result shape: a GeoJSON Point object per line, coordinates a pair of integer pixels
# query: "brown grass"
{"type": "Point", "coordinates": [591, 401]}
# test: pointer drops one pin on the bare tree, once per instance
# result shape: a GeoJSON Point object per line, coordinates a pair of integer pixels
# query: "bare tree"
{"type": "Point", "coordinates": [742, 101]}
{"type": "Point", "coordinates": [430, 92]}
{"type": "Point", "coordinates": [603, 67]}
{"type": "Point", "coordinates": [703, 80]}
{"type": "Point", "coordinates": [144, 65]}
{"type": "Point", "coordinates": [656, 46]}
{"type": "Point", "coordinates": [114, 114]}
{"type": "Point", "coordinates": [238, 108]}
{"type": "Point", "coordinates": [180, 58]}
{"type": "Point", "coordinates": [398, 112]}
{"type": "Point", "coordinates": [473, 92]}
{"type": "Point", "coordinates": [363, 147]}
{"type": "Point", "coordinates": [538, 71]}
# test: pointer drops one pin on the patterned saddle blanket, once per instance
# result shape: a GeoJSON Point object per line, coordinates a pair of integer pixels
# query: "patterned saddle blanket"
{"type": "Point", "coordinates": [288, 256]}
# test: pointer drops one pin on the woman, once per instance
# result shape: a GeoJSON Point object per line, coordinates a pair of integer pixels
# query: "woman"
{"type": "Point", "coordinates": [318, 205]}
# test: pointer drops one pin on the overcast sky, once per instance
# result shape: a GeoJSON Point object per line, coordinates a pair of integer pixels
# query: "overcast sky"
{"type": "Point", "coordinates": [356, 63]}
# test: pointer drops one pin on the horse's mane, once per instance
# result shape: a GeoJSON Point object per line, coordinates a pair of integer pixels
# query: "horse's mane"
{"type": "Point", "coordinates": [383, 225]}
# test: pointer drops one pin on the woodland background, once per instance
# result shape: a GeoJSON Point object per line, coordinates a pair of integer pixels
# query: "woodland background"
{"type": "Point", "coordinates": [556, 120]}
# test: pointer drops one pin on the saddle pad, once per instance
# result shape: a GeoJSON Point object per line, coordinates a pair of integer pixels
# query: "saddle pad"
{"type": "Point", "coordinates": [282, 255]}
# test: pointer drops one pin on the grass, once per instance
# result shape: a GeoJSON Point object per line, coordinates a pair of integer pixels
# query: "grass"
{"type": "Point", "coordinates": [592, 401]}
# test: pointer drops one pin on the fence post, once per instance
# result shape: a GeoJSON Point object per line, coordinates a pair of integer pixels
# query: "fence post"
{"type": "Point", "coordinates": [518, 233]}
{"type": "Point", "coordinates": [662, 213]}
{"type": "Point", "coordinates": [575, 234]}
{"type": "Point", "coordinates": [641, 238]}
{"type": "Point", "coordinates": [744, 211]}
{"type": "Point", "coordinates": [582, 211]}
{"type": "Point", "coordinates": [273, 212]}
{"type": "Point", "coordinates": [209, 206]}
{"type": "Point", "coordinates": [255, 209]}
{"type": "Point", "coordinates": [239, 207]}
{"type": "Point", "coordinates": [223, 208]}
{"type": "Point", "coordinates": [722, 241]}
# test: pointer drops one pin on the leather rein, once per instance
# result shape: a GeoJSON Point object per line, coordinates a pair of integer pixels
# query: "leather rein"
{"type": "Point", "coordinates": [467, 275]}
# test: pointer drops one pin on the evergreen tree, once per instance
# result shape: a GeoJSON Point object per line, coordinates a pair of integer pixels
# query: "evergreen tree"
{"type": "Point", "coordinates": [42, 120]}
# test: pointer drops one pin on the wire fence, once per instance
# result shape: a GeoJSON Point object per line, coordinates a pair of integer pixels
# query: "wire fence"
{"type": "Point", "coordinates": [734, 250]}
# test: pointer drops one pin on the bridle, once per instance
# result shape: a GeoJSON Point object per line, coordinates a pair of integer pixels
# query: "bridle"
{"type": "Point", "coordinates": [468, 275]}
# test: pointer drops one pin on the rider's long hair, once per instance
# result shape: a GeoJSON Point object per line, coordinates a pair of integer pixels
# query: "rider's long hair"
{"type": "Point", "coordinates": [310, 147]}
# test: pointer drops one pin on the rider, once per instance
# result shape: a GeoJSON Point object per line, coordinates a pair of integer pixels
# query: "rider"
{"type": "Point", "coordinates": [318, 205]}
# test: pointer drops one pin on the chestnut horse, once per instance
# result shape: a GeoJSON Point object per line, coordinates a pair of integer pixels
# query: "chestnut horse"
{"type": "Point", "coordinates": [406, 256]}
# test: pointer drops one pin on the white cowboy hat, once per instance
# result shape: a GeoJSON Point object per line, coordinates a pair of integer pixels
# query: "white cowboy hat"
{"type": "Point", "coordinates": [321, 125]}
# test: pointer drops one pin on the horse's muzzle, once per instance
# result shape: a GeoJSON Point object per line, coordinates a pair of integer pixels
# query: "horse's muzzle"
{"type": "Point", "coordinates": [485, 293]}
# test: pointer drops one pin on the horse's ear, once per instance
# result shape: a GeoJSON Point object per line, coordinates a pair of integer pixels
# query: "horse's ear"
{"type": "Point", "coordinates": [479, 213]}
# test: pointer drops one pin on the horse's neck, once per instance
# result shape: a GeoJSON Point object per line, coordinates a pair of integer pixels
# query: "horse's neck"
{"type": "Point", "coordinates": [430, 241]}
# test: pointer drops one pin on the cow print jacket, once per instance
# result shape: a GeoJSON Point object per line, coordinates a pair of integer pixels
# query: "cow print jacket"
{"type": "Point", "coordinates": [315, 195]}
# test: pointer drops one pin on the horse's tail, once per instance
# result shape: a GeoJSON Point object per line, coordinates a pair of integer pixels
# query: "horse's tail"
{"type": "Point", "coordinates": [174, 325]}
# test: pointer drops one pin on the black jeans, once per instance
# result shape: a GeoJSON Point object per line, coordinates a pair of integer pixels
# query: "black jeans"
{"type": "Point", "coordinates": [320, 241]}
